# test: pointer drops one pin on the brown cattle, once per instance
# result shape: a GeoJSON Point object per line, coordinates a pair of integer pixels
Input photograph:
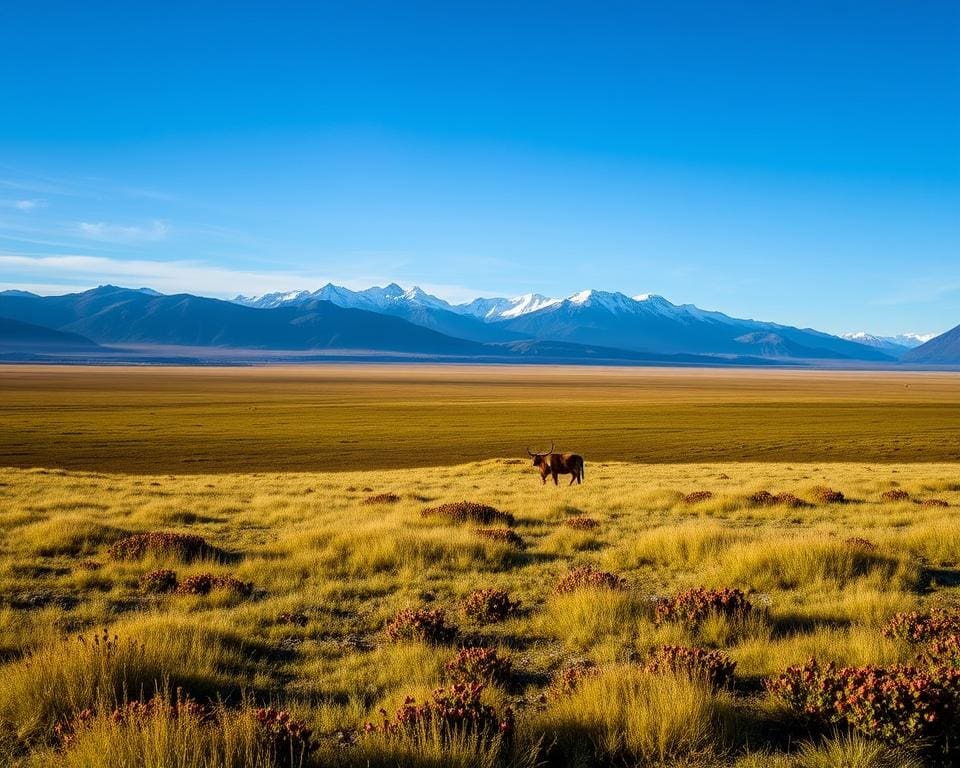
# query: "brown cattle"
{"type": "Point", "coordinates": [550, 463]}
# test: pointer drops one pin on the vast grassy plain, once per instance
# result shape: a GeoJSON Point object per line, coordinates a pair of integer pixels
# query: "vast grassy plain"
{"type": "Point", "coordinates": [315, 566]}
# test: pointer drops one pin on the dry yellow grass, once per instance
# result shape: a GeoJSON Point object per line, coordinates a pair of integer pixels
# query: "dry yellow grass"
{"type": "Point", "coordinates": [311, 546]}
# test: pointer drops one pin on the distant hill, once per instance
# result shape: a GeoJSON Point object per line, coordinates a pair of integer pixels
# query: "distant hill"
{"type": "Point", "coordinates": [19, 336]}
{"type": "Point", "coordinates": [941, 350]}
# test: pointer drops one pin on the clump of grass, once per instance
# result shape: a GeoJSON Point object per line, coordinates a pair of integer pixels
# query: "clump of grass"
{"type": "Point", "coordinates": [697, 496]}
{"type": "Point", "coordinates": [159, 581]}
{"type": "Point", "coordinates": [69, 535]}
{"type": "Point", "coordinates": [850, 750]}
{"type": "Point", "coordinates": [469, 512]}
{"type": "Point", "coordinates": [694, 605]}
{"type": "Point", "coordinates": [631, 717]}
{"type": "Point", "coordinates": [381, 498]}
{"type": "Point", "coordinates": [503, 536]}
{"type": "Point", "coordinates": [205, 583]}
{"type": "Point", "coordinates": [588, 577]}
{"type": "Point", "coordinates": [895, 494]}
{"type": "Point", "coordinates": [824, 495]}
{"type": "Point", "coordinates": [581, 523]}
{"type": "Point", "coordinates": [427, 625]}
{"type": "Point", "coordinates": [483, 665]}
{"type": "Point", "coordinates": [714, 667]}
{"type": "Point", "coordinates": [185, 547]}
{"type": "Point", "coordinates": [489, 605]}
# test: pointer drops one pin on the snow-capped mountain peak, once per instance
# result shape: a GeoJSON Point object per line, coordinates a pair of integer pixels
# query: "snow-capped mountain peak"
{"type": "Point", "coordinates": [908, 340]}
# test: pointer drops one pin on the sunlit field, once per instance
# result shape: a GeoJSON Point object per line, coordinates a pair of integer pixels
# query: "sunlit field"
{"type": "Point", "coordinates": [671, 613]}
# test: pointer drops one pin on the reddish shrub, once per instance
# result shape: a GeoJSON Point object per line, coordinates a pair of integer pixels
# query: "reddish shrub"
{"type": "Point", "coordinates": [89, 565]}
{"type": "Point", "coordinates": [454, 710]}
{"type": "Point", "coordinates": [715, 667]}
{"type": "Point", "coordinates": [483, 665]}
{"type": "Point", "coordinates": [767, 499]}
{"type": "Point", "coordinates": [425, 624]}
{"type": "Point", "coordinates": [568, 678]}
{"type": "Point", "coordinates": [489, 605]}
{"type": "Point", "coordinates": [588, 577]}
{"type": "Point", "coordinates": [382, 498]}
{"type": "Point", "coordinates": [287, 739]}
{"type": "Point", "coordinates": [930, 503]}
{"type": "Point", "coordinates": [858, 542]}
{"type": "Point", "coordinates": [899, 704]}
{"type": "Point", "coordinates": [296, 618]}
{"type": "Point", "coordinates": [581, 523]}
{"type": "Point", "coordinates": [697, 496]}
{"type": "Point", "coordinates": [895, 494]}
{"type": "Point", "coordinates": [183, 546]}
{"type": "Point", "coordinates": [694, 605]}
{"type": "Point", "coordinates": [159, 581]}
{"type": "Point", "coordinates": [503, 536]}
{"type": "Point", "coordinates": [205, 583]}
{"type": "Point", "coordinates": [823, 495]}
{"type": "Point", "coordinates": [469, 512]}
{"type": "Point", "coordinates": [917, 627]}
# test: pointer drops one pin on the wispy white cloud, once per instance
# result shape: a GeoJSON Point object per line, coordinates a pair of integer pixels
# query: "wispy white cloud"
{"type": "Point", "coordinates": [24, 205]}
{"type": "Point", "coordinates": [63, 273]}
{"type": "Point", "coordinates": [118, 233]}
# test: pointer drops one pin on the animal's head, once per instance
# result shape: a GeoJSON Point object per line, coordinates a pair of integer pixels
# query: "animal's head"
{"type": "Point", "coordinates": [538, 458]}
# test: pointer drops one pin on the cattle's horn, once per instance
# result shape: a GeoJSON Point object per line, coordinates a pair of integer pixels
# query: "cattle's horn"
{"type": "Point", "coordinates": [530, 452]}
{"type": "Point", "coordinates": [551, 447]}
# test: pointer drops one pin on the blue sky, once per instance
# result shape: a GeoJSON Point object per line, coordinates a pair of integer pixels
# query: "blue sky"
{"type": "Point", "coordinates": [798, 162]}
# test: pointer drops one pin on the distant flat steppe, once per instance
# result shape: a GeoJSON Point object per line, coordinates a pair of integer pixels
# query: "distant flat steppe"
{"type": "Point", "coordinates": [350, 417]}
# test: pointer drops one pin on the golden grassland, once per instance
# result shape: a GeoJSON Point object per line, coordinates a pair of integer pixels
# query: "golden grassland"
{"type": "Point", "coordinates": [311, 545]}
{"type": "Point", "coordinates": [344, 417]}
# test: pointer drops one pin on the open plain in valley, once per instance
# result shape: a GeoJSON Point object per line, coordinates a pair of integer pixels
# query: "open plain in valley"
{"type": "Point", "coordinates": [358, 565]}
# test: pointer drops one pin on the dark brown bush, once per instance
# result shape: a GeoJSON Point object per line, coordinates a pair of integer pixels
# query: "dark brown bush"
{"type": "Point", "coordinates": [895, 494]}
{"type": "Point", "coordinates": [588, 577]}
{"type": "Point", "coordinates": [489, 605]}
{"type": "Point", "coordinates": [697, 496]}
{"type": "Point", "coordinates": [89, 565]}
{"type": "Point", "coordinates": [479, 665]}
{"type": "Point", "coordinates": [160, 581]}
{"type": "Point", "coordinates": [714, 667]}
{"type": "Point", "coordinates": [581, 523]}
{"type": "Point", "coordinates": [930, 503]}
{"type": "Point", "coordinates": [428, 625]}
{"type": "Point", "coordinates": [694, 605]}
{"type": "Point", "coordinates": [566, 679]}
{"type": "Point", "coordinates": [503, 536]}
{"type": "Point", "coordinates": [382, 498]}
{"type": "Point", "coordinates": [823, 495]}
{"type": "Point", "coordinates": [469, 512]}
{"type": "Point", "coordinates": [205, 583]}
{"type": "Point", "coordinates": [767, 499]}
{"type": "Point", "coordinates": [183, 546]}
{"type": "Point", "coordinates": [859, 542]}
{"type": "Point", "coordinates": [296, 618]}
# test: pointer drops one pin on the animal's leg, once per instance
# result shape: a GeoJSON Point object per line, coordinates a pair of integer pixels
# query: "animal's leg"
{"type": "Point", "coordinates": [555, 481]}
{"type": "Point", "coordinates": [573, 476]}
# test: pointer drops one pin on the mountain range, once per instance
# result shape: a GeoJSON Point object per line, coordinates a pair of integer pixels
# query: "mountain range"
{"type": "Point", "coordinates": [589, 326]}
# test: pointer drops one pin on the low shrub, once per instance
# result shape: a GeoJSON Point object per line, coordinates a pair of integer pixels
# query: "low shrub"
{"type": "Point", "coordinates": [205, 583]}
{"type": "Point", "coordinates": [895, 494]}
{"type": "Point", "coordinates": [453, 710]}
{"type": "Point", "coordinates": [697, 496]}
{"type": "Point", "coordinates": [859, 542]}
{"type": "Point", "coordinates": [381, 498]}
{"type": "Point", "coordinates": [489, 605]}
{"type": "Point", "coordinates": [921, 627]}
{"type": "Point", "coordinates": [183, 546]}
{"type": "Point", "coordinates": [934, 503]}
{"type": "Point", "coordinates": [767, 499]}
{"type": "Point", "coordinates": [581, 523]}
{"type": "Point", "coordinates": [823, 495]}
{"type": "Point", "coordinates": [694, 605]}
{"type": "Point", "coordinates": [428, 625]}
{"type": "Point", "coordinates": [89, 565]}
{"type": "Point", "coordinates": [899, 704]}
{"type": "Point", "coordinates": [566, 679]}
{"type": "Point", "coordinates": [714, 667]}
{"type": "Point", "coordinates": [503, 536]}
{"type": "Point", "coordinates": [286, 738]}
{"type": "Point", "coordinates": [470, 512]}
{"type": "Point", "coordinates": [588, 577]}
{"type": "Point", "coordinates": [159, 581]}
{"type": "Point", "coordinates": [479, 665]}
{"type": "Point", "coordinates": [297, 618]}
